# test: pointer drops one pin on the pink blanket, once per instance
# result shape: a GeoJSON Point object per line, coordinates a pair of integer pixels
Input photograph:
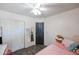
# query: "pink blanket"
{"type": "Point", "coordinates": [54, 50]}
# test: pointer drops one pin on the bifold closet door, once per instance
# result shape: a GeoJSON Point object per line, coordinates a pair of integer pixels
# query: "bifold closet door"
{"type": "Point", "coordinates": [13, 34]}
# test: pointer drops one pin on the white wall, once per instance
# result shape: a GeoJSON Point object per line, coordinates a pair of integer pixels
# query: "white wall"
{"type": "Point", "coordinates": [66, 24]}
{"type": "Point", "coordinates": [10, 20]}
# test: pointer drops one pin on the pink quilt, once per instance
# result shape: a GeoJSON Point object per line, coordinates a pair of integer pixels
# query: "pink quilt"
{"type": "Point", "coordinates": [54, 50]}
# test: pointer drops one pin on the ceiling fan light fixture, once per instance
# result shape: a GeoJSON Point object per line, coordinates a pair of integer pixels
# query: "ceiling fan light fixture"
{"type": "Point", "coordinates": [36, 12]}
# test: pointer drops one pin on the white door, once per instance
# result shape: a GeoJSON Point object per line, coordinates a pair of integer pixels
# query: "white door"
{"type": "Point", "coordinates": [14, 34]}
{"type": "Point", "coordinates": [18, 31]}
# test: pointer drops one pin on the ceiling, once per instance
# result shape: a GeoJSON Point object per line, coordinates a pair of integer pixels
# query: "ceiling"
{"type": "Point", "coordinates": [49, 8]}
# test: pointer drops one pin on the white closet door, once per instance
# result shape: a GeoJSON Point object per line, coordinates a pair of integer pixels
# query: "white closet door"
{"type": "Point", "coordinates": [18, 41]}
{"type": "Point", "coordinates": [14, 34]}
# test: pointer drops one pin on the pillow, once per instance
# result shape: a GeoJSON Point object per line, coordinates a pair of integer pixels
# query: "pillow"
{"type": "Point", "coordinates": [73, 46]}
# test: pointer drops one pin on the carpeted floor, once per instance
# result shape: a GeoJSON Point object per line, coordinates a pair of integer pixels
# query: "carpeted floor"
{"type": "Point", "coordinates": [32, 50]}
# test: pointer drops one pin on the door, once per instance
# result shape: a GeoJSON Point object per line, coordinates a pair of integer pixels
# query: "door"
{"type": "Point", "coordinates": [40, 33]}
{"type": "Point", "coordinates": [18, 32]}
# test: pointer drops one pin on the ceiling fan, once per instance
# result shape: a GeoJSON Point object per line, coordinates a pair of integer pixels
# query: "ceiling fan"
{"type": "Point", "coordinates": [36, 8]}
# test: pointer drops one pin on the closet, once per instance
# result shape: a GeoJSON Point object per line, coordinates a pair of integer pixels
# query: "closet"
{"type": "Point", "coordinates": [13, 34]}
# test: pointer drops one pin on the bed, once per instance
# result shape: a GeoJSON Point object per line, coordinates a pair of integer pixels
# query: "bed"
{"type": "Point", "coordinates": [54, 50]}
{"type": "Point", "coordinates": [58, 49]}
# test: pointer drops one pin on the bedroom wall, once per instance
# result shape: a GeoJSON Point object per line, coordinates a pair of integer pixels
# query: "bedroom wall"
{"type": "Point", "coordinates": [66, 24]}
{"type": "Point", "coordinates": [0, 29]}
{"type": "Point", "coordinates": [8, 20]}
